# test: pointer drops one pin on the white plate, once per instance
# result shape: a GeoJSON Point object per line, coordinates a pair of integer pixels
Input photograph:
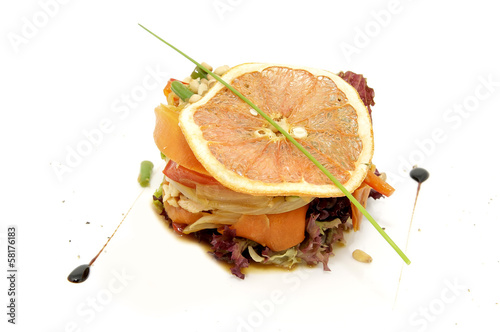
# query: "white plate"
{"type": "Point", "coordinates": [86, 78]}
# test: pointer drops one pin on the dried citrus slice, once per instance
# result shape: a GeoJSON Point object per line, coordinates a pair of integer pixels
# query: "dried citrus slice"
{"type": "Point", "coordinates": [245, 153]}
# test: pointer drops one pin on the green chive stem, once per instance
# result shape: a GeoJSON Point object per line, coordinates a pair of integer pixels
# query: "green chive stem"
{"type": "Point", "coordinates": [198, 73]}
{"type": "Point", "coordinates": [299, 146]}
{"type": "Point", "coordinates": [181, 90]}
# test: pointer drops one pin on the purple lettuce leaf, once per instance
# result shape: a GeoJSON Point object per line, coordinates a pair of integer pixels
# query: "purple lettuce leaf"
{"type": "Point", "coordinates": [321, 235]}
{"type": "Point", "coordinates": [331, 208]}
{"type": "Point", "coordinates": [228, 248]}
{"type": "Point", "coordinates": [312, 250]}
{"type": "Point", "coordinates": [359, 83]}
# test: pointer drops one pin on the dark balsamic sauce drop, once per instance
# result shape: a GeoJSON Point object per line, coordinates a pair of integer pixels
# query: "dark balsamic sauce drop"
{"type": "Point", "coordinates": [419, 174]}
{"type": "Point", "coordinates": [80, 274]}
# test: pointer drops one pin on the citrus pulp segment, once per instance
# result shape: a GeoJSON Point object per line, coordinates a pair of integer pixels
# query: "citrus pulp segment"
{"type": "Point", "coordinates": [245, 153]}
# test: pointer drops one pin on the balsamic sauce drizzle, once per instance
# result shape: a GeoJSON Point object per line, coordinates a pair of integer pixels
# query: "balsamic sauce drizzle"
{"type": "Point", "coordinates": [420, 175]}
{"type": "Point", "coordinates": [82, 272]}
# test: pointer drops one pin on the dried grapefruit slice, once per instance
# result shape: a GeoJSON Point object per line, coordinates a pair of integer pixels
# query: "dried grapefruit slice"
{"type": "Point", "coordinates": [246, 154]}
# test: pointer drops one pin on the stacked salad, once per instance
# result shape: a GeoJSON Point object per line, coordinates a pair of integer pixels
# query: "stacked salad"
{"type": "Point", "coordinates": [195, 203]}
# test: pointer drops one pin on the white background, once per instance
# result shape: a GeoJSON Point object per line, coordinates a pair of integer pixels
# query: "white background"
{"type": "Point", "coordinates": [67, 68]}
